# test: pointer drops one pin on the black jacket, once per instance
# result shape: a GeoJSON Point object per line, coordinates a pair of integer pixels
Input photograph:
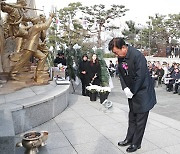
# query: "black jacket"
{"type": "Point", "coordinates": [84, 66]}
{"type": "Point", "coordinates": [59, 60]}
{"type": "Point", "coordinates": [95, 69]}
{"type": "Point", "coordinates": [137, 78]}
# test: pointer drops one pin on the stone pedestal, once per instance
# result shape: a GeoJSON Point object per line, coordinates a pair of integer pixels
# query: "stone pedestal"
{"type": "Point", "coordinates": [7, 134]}
{"type": "Point", "coordinates": [42, 77]}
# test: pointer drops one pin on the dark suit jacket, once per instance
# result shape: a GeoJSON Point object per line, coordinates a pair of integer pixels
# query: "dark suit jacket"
{"type": "Point", "coordinates": [137, 78]}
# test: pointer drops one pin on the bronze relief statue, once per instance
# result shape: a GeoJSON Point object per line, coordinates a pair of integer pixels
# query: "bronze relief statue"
{"type": "Point", "coordinates": [33, 47]}
{"type": "Point", "coordinates": [28, 34]}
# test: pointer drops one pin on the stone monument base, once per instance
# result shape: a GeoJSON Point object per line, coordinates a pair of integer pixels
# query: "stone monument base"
{"type": "Point", "coordinates": [22, 110]}
{"type": "Point", "coordinates": [26, 79]}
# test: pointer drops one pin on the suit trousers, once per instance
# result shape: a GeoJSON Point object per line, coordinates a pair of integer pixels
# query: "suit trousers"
{"type": "Point", "coordinates": [136, 127]}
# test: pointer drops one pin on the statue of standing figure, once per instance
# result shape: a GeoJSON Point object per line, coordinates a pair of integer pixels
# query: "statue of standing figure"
{"type": "Point", "coordinates": [29, 41]}
{"type": "Point", "coordinates": [15, 15]}
{"type": "Point", "coordinates": [1, 41]}
{"type": "Point", "coordinates": [12, 33]}
{"type": "Point", "coordinates": [31, 46]}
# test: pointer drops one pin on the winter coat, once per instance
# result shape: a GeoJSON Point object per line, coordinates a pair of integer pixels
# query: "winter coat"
{"type": "Point", "coordinates": [137, 78]}
{"type": "Point", "coordinates": [95, 69]}
{"type": "Point", "coordinates": [84, 66]}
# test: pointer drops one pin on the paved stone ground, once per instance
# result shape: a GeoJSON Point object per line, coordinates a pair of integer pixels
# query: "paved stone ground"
{"type": "Point", "coordinates": [88, 128]}
{"type": "Point", "coordinates": [168, 104]}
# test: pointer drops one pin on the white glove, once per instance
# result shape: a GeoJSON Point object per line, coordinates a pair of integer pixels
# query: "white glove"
{"type": "Point", "coordinates": [128, 92]}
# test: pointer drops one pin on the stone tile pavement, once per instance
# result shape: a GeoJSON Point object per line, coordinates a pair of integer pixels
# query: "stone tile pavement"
{"type": "Point", "coordinates": [88, 128]}
{"type": "Point", "coordinates": [168, 104]}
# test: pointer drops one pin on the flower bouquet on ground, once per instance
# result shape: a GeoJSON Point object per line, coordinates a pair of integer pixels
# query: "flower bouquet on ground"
{"type": "Point", "coordinates": [93, 89]}
{"type": "Point", "coordinates": [103, 93]}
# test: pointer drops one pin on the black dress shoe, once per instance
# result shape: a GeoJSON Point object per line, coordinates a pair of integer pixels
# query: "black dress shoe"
{"type": "Point", "coordinates": [124, 143]}
{"type": "Point", "coordinates": [133, 148]}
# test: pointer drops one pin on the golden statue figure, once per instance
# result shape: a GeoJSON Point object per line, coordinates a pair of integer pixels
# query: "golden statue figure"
{"type": "Point", "coordinates": [1, 46]}
{"type": "Point", "coordinates": [14, 18]}
{"type": "Point", "coordinates": [31, 48]}
{"type": "Point", "coordinates": [12, 31]}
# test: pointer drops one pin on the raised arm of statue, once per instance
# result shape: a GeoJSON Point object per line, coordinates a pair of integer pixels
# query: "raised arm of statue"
{"type": "Point", "coordinates": [42, 24]}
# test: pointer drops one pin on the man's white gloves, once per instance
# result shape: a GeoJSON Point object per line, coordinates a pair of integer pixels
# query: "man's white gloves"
{"type": "Point", "coordinates": [128, 92]}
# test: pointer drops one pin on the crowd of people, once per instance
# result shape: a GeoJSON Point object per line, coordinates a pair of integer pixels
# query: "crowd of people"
{"type": "Point", "coordinates": [89, 69]}
{"type": "Point", "coordinates": [160, 73]}
{"type": "Point", "coordinates": [173, 52]}
{"type": "Point", "coordinates": [166, 74]}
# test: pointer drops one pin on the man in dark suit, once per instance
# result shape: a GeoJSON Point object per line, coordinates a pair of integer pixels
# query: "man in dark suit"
{"type": "Point", "coordinates": [138, 87]}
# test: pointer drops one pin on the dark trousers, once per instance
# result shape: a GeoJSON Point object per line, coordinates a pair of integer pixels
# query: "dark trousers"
{"type": "Point", "coordinates": [169, 87]}
{"type": "Point", "coordinates": [136, 127]}
{"type": "Point", "coordinates": [84, 85]}
{"type": "Point", "coordinates": [177, 85]}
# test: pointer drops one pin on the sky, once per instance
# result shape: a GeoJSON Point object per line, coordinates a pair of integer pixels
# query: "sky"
{"type": "Point", "coordinates": [139, 10]}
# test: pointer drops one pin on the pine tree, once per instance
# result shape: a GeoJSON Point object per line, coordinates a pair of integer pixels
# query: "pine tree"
{"type": "Point", "coordinates": [69, 62]}
{"type": "Point", "coordinates": [104, 69]}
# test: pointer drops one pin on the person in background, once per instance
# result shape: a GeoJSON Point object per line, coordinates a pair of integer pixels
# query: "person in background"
{"type": "Point", "coordinates": [177, 85]}
{"type": "Point", "coordinates": [166, 72]}
{"type": "Point", "coordinates": [111, 68]}
{"type": "Point", "coordinates": [168, 51]}
{"type": "Point", "coordinates": [175, 77]}
{"type": "Point", "coordinates": [137, 85]}
{"type": "Point", "coordinates": [159, 72]}
{"type": "Point", "coordinates": [150, 67]}
{"type": "Point", "coordinates": [176, 51]}
{"type": "Point", "coordinates": [111, 64]}
{"type": "Point", "coordinates": [171, 69]}
{"type": "Point", "coordinates": [116, 68]}
{"type": "Point", "coordinates": [84, 75]}
{"type": "Point", "coordinates": [94, 71]}
{"type": "Point", "coordinates": [60, 59]}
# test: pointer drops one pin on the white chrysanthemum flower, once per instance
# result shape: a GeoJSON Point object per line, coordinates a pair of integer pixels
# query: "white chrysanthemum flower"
{"type": "Point", "coordinates": [93, 88]}
{"type": "Point", "coordinates": [104, 89]}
